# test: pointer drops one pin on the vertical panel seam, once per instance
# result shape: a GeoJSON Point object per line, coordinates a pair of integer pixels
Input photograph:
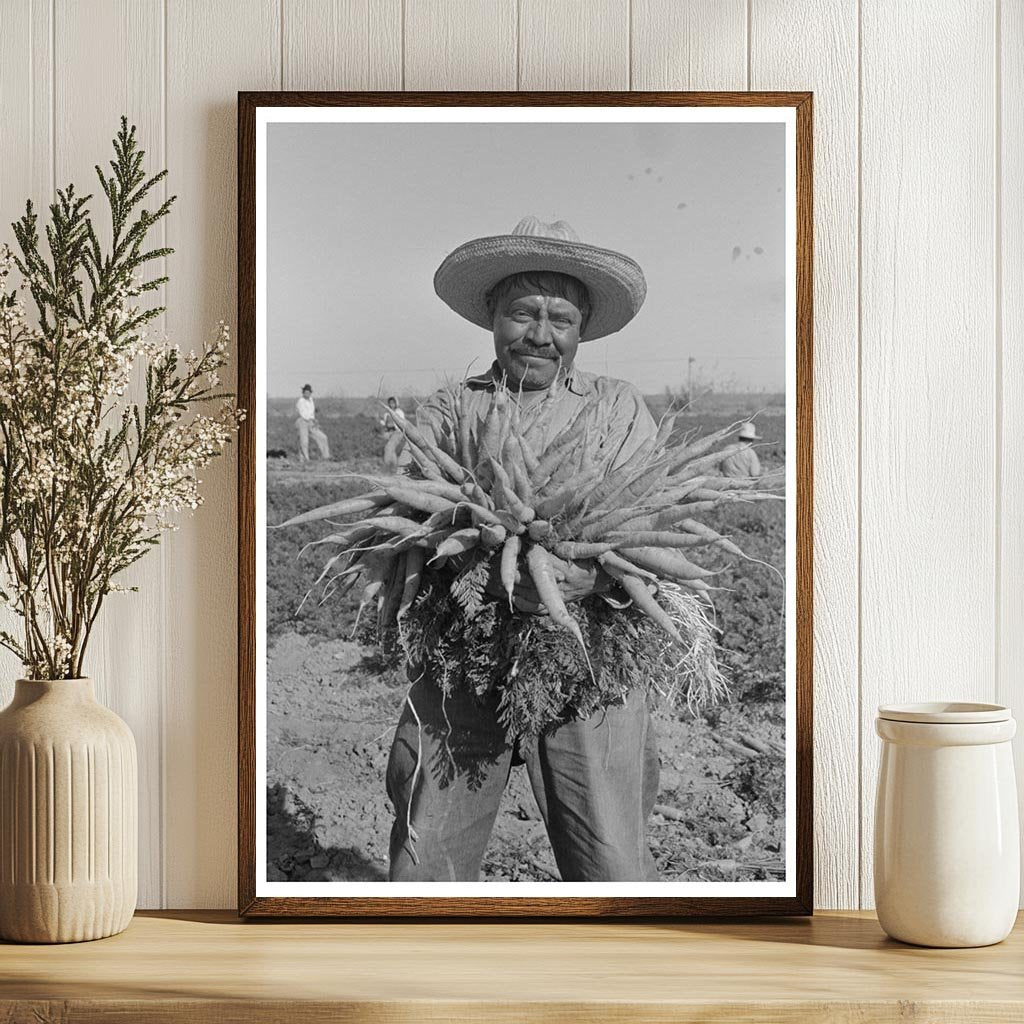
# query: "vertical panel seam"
{"type": "Point", "coordinates": [750, 68]}
{"type": "Point", "coordinates": [860, 458]}
{"type": "Point", "coordinates": [519, 37]}
{"type": "Point", "coordinates": [629, 45]}
{"type": "Point", "coordinates": [53, 99]}
{"type": "Point", "coordinates": [162, 694]}
{"type": "Point", "coordinates": [402, 42]}
{"type": "Point", "coordinates": [997, 169]}
{"type": "Point", "coordinates": [280, 41]}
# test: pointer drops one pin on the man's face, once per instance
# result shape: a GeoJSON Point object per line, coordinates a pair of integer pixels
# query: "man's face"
{"type": "Point", "coordinates": [306, 393]}
{"type": "Point", "coordinates": [534, 335]}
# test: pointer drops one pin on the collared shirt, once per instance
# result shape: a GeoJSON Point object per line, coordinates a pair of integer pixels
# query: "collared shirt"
{"type": "Point", "coordinates": [743, 463]}
{"type": "Point", "coordinates": [625, 422]}
{"type": "Point", "coordinates": [305, 408]}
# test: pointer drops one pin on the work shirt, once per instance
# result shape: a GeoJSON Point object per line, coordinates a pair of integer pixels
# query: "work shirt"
{"type": "Point", "coordinates": [391, 418]}
{"type": "Point", "coordinates": [306, 409]}
{"type": "Point", "coordinates": [625, 422]}
{"type": "Point", "coordinates": [743, 463]}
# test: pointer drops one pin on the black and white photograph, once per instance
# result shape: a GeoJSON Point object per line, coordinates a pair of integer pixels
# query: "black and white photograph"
{"type": "Point", "coordinates": [525, 510]}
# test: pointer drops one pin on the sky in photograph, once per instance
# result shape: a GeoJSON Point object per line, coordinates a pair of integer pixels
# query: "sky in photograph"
{"type": "Point", "coordinates": [360, 216]}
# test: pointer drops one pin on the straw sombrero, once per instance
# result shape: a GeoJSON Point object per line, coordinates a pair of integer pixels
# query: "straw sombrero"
{"type": "Point", "coordinates": [615, 282]}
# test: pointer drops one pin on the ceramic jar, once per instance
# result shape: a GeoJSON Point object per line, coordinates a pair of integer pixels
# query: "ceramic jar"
{"type": "Point", "coordinates": [68, 815]}
{"type": "Point", "coordinates": [947, 847]}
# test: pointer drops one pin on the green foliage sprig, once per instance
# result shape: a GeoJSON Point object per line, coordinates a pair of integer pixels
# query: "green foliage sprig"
{"type": "Point", "coordinates": [89, 477]}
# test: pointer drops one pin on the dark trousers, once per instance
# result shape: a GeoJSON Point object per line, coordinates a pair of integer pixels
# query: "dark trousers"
{"type": "Point", "coordinates": [595, 781]}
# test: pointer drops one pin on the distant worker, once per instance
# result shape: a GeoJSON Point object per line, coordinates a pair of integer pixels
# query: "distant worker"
{"type": "Point", "coordinates": [745, 462]}
{"type": "Point", "coordinates": [396, 455]}
{"type": "Point", "coordinates": [307, 428]}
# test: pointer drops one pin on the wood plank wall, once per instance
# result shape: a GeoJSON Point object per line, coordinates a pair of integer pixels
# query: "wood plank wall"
{"type": "Point", "coordinates": [919, 164]}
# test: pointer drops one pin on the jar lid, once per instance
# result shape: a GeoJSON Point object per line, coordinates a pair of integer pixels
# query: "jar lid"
{"type": "Point", "coordinates": [945, 713]}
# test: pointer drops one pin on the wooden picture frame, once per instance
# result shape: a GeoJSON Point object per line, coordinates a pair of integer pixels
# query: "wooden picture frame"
{"type": "Point", "coordinates": [254, 900]}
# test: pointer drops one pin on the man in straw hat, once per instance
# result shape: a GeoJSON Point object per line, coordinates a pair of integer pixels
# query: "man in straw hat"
{"type": "Point", "coordinates": [541, 292]}
{"type": "Point", "coordinates": [745, 462]}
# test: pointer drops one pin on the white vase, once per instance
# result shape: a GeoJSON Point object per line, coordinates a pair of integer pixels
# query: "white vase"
{"type": "Point", "coordinates": [947, 846]}
{"type": "Point", "coordinates": [68, 815]}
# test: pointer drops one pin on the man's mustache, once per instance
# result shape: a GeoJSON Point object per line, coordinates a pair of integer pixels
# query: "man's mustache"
{"type": "Point", "coordinates": [542, 353]}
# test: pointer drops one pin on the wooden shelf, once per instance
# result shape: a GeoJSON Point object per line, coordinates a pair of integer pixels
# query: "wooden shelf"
{"type": "Point", "coordinates": [202, 967]}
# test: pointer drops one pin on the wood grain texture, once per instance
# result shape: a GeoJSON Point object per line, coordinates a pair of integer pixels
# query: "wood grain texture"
{"type": "Point", "coordinates": [128, 667]}
{"type": "Point", "coordinates": [206, 967]}
{"type": "Point", "coordinates": [26, 169]}
{"type": "Point", "coordinates": [468, 45]}
{"type": "Point", "coordinates": [779, 56]}
{"type": "Point", "coordinates": [574, 44]}
{"type": "Point", "coordinates": [690, 44]}
{"type": "Point", "coordinates": [928, 399]}
{"type": "Point", "coordinates": [342, 44]}
{"type": "Point", "coordinates": [1010, 314]}
{"type": "Point", "coordinates": [208, 60]}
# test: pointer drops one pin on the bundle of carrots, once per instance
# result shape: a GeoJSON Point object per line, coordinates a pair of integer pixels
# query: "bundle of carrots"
{"type": "Point", "coordinates": [529, 505]}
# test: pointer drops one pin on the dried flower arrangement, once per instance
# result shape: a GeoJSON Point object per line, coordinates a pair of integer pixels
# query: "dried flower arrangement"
{"type": "Point", "coordinates": [90, 476]}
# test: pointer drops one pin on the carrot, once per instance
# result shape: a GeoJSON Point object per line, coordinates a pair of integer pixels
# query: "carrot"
{"type": "Point", "coordinates": [573, 500]}
{"type": "Point", "coordinates": [377, 570]}
{"type": "Point", "coordinates": [422, 501]}
{"type": "Point", "coordinates": [613, 563]}
{"type": "Point", "coordinates": [442, 459]}
{"type": "Point", "coordinates": [705, 444]}
{"type": "Point", "coordinates": [654, 539]}
{"type": "Point", "coordinates": [479, 514]}
{"type": "Point", "coordinates": [556, 452]}
{"type": "Point", "coordinates": [442, 488]}
{"type": "Point", "coordinates": [509, 557]}
{"type": "Point", "coordinates": [538, 529]}
{"type": "Point", "coordinates": [509, 498]}
{"type": "Point", "coordinates": [700, 466]}
{"type": "Point", "coordinates": [664, 563]}
{"type": "Point", "coordinates": [476, 494]}
{"type": "Point", "coordinates": [644, 600]}
{"type": "Point", "coordinates": [727, 483]}
{"type": "Point", "coordinates": [487, 444]}
{"type": "Point", "coordinates": [692, 526]}
{"type": "Point", "coordinates": [530, 460]}
{"type": "Point", "coordinates": [414, 560]}
{"type": "Point", "coordinates": [509, 521]}
{"type": "Point", "coordinates": [607, 522]}
{"type": "Point", "coordinates": [513, 457]}
{"type": "Point", "coordinates": [433, 539]}
{"type": "Point", "coordinates": [396, 524]}
{"type": "Point", "coordinates": [704, 494]}
{"type": "Point", "coordinates": [391, 595]}
{"type": "Point", "coordinates": [349, 506]}
{"type": "Point", "coordinates": [539, 564]}
{"type": "Point", "coordinates": [492, 536]}
{"type": "Point", "coordinates": [551, 506]}
{"type": "Point", "coordinates": [425, 465]}
{"type": "Point", "coordinates": [458, 542]}
{"type": "Point", "coordinates": [574, 550]}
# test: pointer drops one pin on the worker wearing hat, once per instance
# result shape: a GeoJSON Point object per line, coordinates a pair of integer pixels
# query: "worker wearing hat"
{"type": "Point", "coordinates": [306, 425]}
{"type": "Point", "coordinates": [541, 292]}
{"type": "Point", "coordinates": [744, 463]}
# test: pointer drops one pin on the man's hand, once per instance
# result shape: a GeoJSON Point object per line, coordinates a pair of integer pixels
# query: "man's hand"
{"type": "Point", "coordinates": [576, 580]}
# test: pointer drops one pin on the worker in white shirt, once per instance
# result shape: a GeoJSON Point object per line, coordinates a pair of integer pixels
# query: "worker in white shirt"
{"type": "Point", "coordinates": [307, 428]}
{"type": "Point", "coordinates": [396, 454]}
{"type": "Point", "coordinates": [745, 462]}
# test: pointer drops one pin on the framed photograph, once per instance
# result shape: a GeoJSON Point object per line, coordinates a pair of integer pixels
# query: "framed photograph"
{"type": "Point", "coordinates": [525, 495]}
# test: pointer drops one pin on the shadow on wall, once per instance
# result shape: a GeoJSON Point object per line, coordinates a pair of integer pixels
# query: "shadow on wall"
{"type": "Point", "coordinates": [293, 853]}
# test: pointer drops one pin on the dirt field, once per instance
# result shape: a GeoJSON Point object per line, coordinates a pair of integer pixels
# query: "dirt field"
{"type": "Point", "coordinates": [332, 708]}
